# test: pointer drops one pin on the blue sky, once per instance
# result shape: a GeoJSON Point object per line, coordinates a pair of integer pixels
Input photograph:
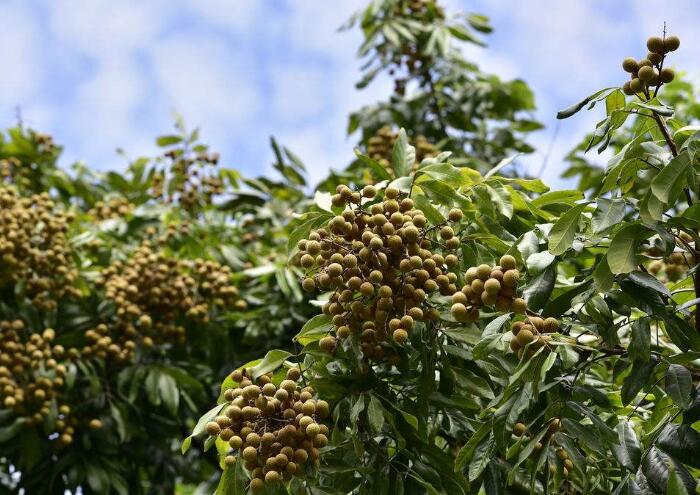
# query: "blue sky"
{"type": "Point", "coordinates": [103, 74]}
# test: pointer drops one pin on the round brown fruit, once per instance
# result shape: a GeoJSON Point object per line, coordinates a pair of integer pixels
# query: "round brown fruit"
{"type": "Point", "coordinates": [629, 65]}
{"type": "Point", "coordinates": [655, 44]}
{"type": "Point", "coordinates": [667, 75]}
{"type": "Point", "coordinates": [519, 429]}
{"type": "Point", "coordinates": [672, 43]}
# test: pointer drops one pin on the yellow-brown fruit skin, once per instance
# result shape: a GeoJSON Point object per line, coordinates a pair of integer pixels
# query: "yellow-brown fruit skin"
{"type": "Point", "coordinates": [275, 439]}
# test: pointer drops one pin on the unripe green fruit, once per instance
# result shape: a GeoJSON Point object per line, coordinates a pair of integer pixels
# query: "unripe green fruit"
{"type": "Point", "coordinates": [667, 75]}
{"type": "Point", "coordinates": [628, 65]}
{"type": "Point", "coordinates": [672, 43]}
{"type": "Point", "coordinates": [655, 44]}
{"type": "Point", "coordinates": [645, 74]}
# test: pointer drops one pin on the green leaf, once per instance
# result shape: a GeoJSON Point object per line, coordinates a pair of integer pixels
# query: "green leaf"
{"type": "Point", "coordinates": [622, 254]}
{"type": "Point", "coordinates": [561, 237]}
{"type": "Point", "coordinates": [314, 329]}
{"type": "Point", "coordinates": [169, 393]}
{"type": "Point", "coordinates": [375, 414]}
{"type": "Point", "coordinates": [272, 360]}
{"type": "Point", "coordinates": [403, 156]}
{"type": "Point", "coordinates": [681, 442]}
{"type": "Point", "coordinates": [466, 453]}
{"type": "Point", "coordinates": [640, 344]}
{"type": "Point", "coordinates": [379, 172]}
{"type": "Point", "coordinates": [675, 485]}
{"type": "Point", "coordinates": [201, 425]}
{"type": "Point", "coordinates": [573, 109]}
{"type": "Point", "coordinates": [608, 213]}
{"type": "Point", "coordinates": [679, 384]}
{"type": "Point", "coordinates": [539, 290]}
{"type": "Point", "coordinates": [628, 450]}
{"type": "Point", "coordinates": [635, 381]}
{"type": "Point", "coordinates": [668, 183]}
{"type": "Point", "coordinates": [164, 141]}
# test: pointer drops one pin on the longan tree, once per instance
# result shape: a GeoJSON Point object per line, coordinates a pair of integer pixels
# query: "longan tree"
{"type": "Point", "coordinates": [481, 333]}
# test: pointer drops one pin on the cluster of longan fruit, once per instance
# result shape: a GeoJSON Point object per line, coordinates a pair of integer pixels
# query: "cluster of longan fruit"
{"type": "Point", "coordinates": [520, 429]}
{"type": "Point", "coordinates": [486, 285]}
{"type": "Point", "coordinates": [381, 146]}
{"type": "Point", "coordinates": [383, 260]}
{"type": "Point", "coordinates": [194, 187]}
{"type": "Point", "coordinates": [532, 331]}
{"type": "Point", "coordinates": [32, 370]}
{"type": "Point", "coordinates": [113, 208]}
{"type": "Point", "coordinates": [274, 429]}
{"type": "Point", "coordinates": [153, 294]}
{"type": "Point", "coordinates": [671, 269]}
{"type": "Point", "coordinates": [650, 72]}
{"type": "Point", "coordinates": [34, 247]}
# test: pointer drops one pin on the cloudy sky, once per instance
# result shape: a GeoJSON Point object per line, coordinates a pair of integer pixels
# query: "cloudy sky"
{"type": "Point", "coordinates": [102, 74]}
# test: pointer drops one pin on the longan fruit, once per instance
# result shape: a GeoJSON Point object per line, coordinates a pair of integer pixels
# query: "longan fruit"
{"type": "Point", "coordinates": [550, 325]}
{"type": "Point", "coordinates": [308, 284]}
{"type": "Point", "coordinates": [507, 262]}
{"type": "Point", "coordinates": [629, 65]}
{"type": "Point", "coordinates": [655, 44]}
{"type": "Point", "coordinates": [645, 74]}
{"type": "Point", "coordinates": [369, 191]}
{"type": "Point", "coordinates": [213, 428]}
{"type": "Point", "coordinates": [459, 311]}
{"type": "Point", "coordinates": [95, 424]}
{"type": "Point", "coordinates": [524, 337]}
{"type": "Point", "coordinates": [636, 85]}
{"type": "Point", "coordinates": [272, 477]}
{"type": "Point", "coordinates": [654, 58]}
{"type": "Point", "coordinates": [400, 336]}
{"type": "Point", "coordinates": [519, 429]}
{"type": "Point", "coordinates": [511, 278]}
{"type": "Point", "coordinates": [483, 271]}
{"type": "Point", "coordinates": [627, 89]}
{"type": "Point", "coordinates": [667, 75]}
{"type": "Point", "coordinates": [492, 286]}
{"type": "Point", "coordinates": [327, 344]}
{"type": "Point", "coordinates": [455, 215]}
{"type": "Point", "coordinates": [518, 306]}
{"type": "Point", "coordinates": [671, 43]}
{"type": "Point", "coordinates": [256, 485]}
{"type": "Point", "coordinates": [293, 374]}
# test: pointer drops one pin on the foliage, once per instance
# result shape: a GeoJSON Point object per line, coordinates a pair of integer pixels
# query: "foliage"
{"type": "Point", "coordinates": [592, 390]}
{"type": "Point", "coordinates": [438, 322]}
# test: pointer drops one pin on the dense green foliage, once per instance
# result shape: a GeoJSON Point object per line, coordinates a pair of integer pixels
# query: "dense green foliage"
{"type": "Point", "coordinates": [440, 322]}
